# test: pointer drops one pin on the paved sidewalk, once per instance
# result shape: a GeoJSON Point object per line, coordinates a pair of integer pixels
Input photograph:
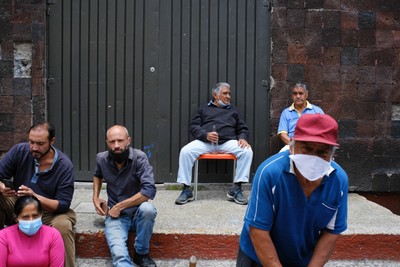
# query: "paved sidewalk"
{"type": "Point", "coordinates": [211, 213]}
{"type": "Point", "coordinates": [213, 216]}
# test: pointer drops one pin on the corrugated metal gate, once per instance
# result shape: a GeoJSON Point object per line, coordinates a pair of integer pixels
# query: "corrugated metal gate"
{"type": "Point", "coordinates": [149, 64]}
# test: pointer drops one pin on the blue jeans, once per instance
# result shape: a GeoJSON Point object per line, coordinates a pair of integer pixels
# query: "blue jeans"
{"type": "Point", "coordinates": [117, 232]}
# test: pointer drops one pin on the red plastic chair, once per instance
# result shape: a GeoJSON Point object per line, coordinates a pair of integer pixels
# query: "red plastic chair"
{"type": "Point", "coordinates": [211, 156]}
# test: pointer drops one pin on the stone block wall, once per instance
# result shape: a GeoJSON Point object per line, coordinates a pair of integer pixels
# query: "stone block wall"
{"type": "Point", "coordinates": [348, 53]}
{"type": "Point", "coordinates": [22, 69]}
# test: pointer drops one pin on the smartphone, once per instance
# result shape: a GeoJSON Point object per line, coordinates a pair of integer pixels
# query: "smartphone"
{"type": "Point", "coordinates": [8, 183]}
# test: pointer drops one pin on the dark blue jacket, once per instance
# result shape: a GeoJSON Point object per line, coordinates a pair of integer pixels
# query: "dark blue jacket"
{"type": "Point", "coordinates": [56, 183]}
{"type": "Point", "coordinates": [228, 123]}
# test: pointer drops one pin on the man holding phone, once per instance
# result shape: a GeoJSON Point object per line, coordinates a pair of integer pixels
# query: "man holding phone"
{"type": "Point", "coordinates": [8, 184]}
{"type": "Point", "coordinates": [39, 169]}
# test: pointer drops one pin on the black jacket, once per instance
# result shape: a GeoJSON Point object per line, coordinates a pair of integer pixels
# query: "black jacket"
{"type": "Point", "coordinates": [228, 123]}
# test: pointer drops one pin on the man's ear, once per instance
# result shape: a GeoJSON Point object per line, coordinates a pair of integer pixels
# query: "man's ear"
{"type": "Point", "coordinates": [52, 141]}
{"type": "Point", "coordinates": [129, 141]}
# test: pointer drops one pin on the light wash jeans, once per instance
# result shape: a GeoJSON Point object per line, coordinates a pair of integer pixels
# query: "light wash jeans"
{"type": "Point", "coordinates": [117, 232]}
{"type": "Point", "coordinates": [192, 150]}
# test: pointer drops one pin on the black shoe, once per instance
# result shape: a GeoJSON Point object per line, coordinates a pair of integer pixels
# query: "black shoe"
{"type": "Point", "coordinates": [185, 196]}
{"type": "Point", "coordinates": [143, 260]}
{"type": "Point", "coordinates": [235, 193]}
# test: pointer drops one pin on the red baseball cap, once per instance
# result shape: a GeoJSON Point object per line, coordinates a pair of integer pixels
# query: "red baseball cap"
{"type": "Point", "coordinates": [320, 128]}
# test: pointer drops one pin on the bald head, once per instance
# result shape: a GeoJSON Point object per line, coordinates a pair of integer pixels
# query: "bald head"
{"type": "Point", "coordinates": [117, 138]}
{"type": "Point", "coordinates": [117, 128]}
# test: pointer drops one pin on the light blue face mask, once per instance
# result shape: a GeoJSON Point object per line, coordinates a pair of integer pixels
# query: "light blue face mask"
{"type": "Point", "coordinates": [222, 104]}
{"type": "Point", "coordinates": [30, 227]}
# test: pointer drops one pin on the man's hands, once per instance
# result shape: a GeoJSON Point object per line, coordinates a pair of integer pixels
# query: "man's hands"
{"type": "Point", "coordinates": [103, 210]}
{"type": "Point", "coordinates": [25, 191]}
{"type": "Point", "coordinates": [243, 143]}
{"type": "Point", "coordinates": [7, 191]}
{"type": "Point", "coordinates": [212, 137]}
{"type": "Point", "coordinates": [48, 204]}
{"type": "Point", "coordinates": [114, 212]}
{"type": "Point", "coordinates": [101, 206]}
{"type": "Point", "coordinates": [22, 191]}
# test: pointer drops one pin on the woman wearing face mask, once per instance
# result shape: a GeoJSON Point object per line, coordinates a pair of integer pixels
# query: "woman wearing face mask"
{"type": "Point", "coordinates": [29, 243]}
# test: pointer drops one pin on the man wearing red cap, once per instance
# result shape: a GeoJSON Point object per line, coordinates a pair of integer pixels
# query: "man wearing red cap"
{"type": "Point", "coordinates": [298, 202]}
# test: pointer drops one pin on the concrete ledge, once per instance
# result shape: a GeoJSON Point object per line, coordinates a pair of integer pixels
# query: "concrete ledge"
{"type": "Point", "coordinates": [210, 227]}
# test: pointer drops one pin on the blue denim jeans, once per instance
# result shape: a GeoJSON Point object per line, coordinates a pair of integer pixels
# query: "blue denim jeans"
{"type": "Point", "coordinates": [117, 232]}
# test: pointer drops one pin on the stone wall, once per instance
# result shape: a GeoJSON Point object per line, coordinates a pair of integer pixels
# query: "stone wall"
{"type": "Point", "coordinates": [348, 53]}
{"type": "Point", "coordinates": [22, 69]}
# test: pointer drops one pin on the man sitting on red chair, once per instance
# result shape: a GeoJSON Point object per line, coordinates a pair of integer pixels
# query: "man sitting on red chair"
{"type": "Point", "coordinates": [217, 122]}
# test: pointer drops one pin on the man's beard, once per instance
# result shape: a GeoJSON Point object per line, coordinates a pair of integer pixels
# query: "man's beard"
{"type": "Point", "coordinates": [38, 154]}
{"type": "Point", "coordinates": [120, 157]}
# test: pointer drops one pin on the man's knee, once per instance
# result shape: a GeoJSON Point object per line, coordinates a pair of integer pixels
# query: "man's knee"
{"type": "Point", "coordinates": [147, 211]}
{"type": "Point", "coordinates": [247, 153]}
{"type": "Point", "coordinates": [64, 223]}
{"type": "Point", "coordinates": [186, 150]}
{"type": "Point", "coordinates": [64, 227]}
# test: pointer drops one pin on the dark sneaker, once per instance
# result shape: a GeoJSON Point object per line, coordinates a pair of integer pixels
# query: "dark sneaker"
{"type": "Point", "coordinates": [143, 260]}
{"type": "Point", "coordinates": [185, 197]}
{"type": "Point", "coordinates": [236, 194]}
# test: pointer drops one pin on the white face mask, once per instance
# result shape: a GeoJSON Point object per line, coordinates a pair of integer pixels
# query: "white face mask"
{"type": "Point", "coordinates": [311, 167]}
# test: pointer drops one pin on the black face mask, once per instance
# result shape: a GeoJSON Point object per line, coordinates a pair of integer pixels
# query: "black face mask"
{"type": "Point", "coordinates": [119, 157]}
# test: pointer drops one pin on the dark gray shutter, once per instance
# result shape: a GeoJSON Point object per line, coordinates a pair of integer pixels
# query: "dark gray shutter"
{"type": "Point", "coordinates": [148, 65]}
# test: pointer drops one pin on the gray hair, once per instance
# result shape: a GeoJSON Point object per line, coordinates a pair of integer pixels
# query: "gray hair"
{"type": "Point", "coordinates": [218, 86]}
{"type": "Point", "coordinates": [302, 85]}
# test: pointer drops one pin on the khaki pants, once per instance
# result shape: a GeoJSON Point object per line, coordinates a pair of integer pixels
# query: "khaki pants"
{"type": "Point", "coordinates": [64, 223]}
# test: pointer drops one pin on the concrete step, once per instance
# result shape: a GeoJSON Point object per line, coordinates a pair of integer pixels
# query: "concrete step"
{"type": "Point", "coordinates": [209, 227]}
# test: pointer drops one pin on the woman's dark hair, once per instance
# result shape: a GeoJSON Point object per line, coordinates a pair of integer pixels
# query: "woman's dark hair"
{"type": "Point", "coordinates": [24, 201]}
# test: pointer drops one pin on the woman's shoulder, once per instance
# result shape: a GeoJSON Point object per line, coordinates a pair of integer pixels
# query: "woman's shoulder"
{"type": "Point", "coordinates": [9, 231]}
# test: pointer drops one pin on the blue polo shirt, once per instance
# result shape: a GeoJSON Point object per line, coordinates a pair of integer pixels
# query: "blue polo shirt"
{"type": "Point", "coordinates": [279, 205]}
{"type": "Point", "coordinates": [289, 117]}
